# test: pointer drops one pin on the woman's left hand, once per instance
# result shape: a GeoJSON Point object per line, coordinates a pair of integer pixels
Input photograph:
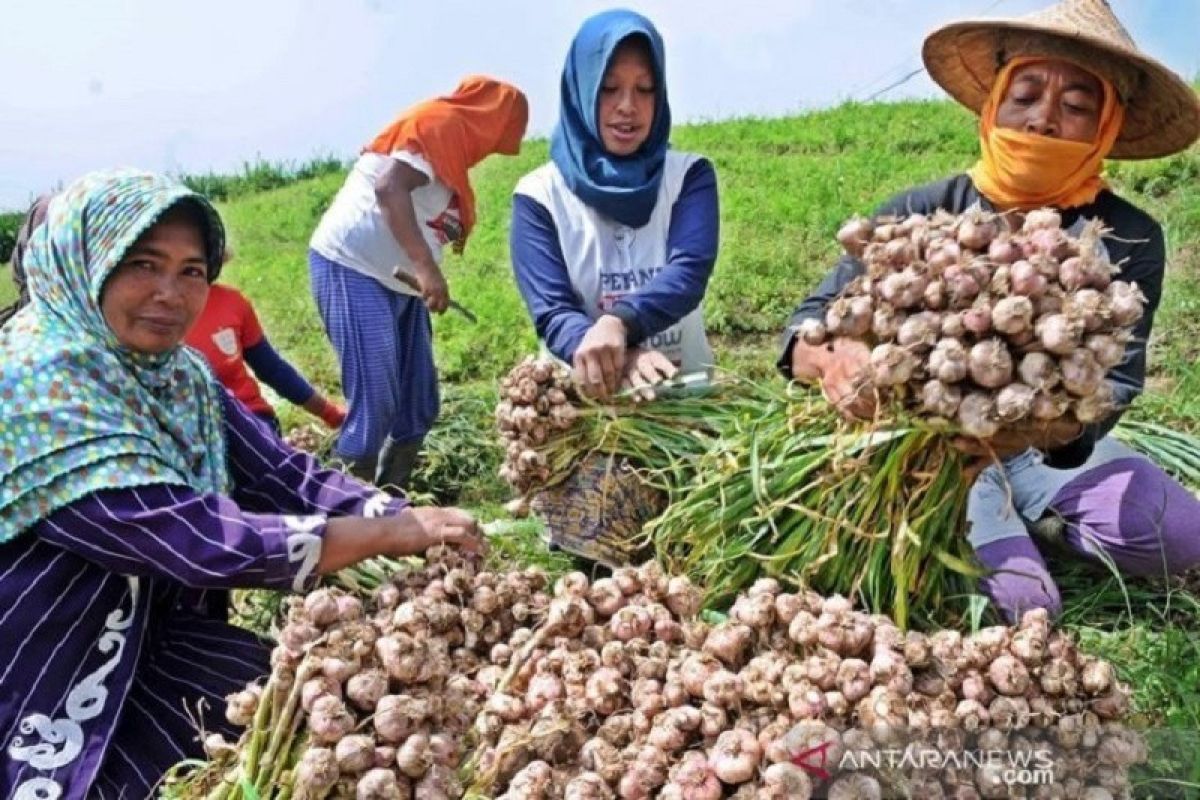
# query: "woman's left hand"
{"type": "Point", "coordinates": [644, 369]}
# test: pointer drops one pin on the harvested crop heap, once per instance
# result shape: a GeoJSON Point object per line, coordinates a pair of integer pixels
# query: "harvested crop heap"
{"type": "Point", "coordinates": [627, 694]}
{"type": "Point", "coordinates": [616, 688]}
{"type": "Point", "coordinates": [372, 699]}
{"type": "Point", "coordinates": [987, 328]}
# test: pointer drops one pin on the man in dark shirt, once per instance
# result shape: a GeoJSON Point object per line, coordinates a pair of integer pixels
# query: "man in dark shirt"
{"type": "Point", "coordinates": [1057, 93]}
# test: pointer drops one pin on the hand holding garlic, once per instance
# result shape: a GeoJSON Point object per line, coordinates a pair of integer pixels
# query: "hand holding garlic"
{"type": "Point", "coordinates": [841, 367]}
{"type": "Point", "coordinates": [418, 528]}
{"type": "Point", "coordinates": [600, 357]}
{"type": "Point", "coordinates": [966, 319]}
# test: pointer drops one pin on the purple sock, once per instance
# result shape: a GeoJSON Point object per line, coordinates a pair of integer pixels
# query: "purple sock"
{"type": "Point", "coordinates": [1019, 580]}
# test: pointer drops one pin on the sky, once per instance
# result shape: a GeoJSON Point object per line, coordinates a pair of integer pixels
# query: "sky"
{"type": "Point", "coordinates": [184, 86]}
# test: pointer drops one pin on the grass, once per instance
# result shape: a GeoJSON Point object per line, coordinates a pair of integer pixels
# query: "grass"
{"type": "Point", "coordinates": [7, 292]}
{"type": "Point", "coordinates": [1149, 632]}
{"type": "Point", "coordinates": [786, 185]}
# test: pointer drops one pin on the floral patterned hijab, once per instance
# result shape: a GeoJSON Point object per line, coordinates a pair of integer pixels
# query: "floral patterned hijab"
{"type": "Point", "coordinates": [83, 413]}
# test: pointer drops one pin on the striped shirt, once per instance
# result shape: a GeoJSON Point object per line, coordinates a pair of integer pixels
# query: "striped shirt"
{"type": "Point", "coordinates": [107, 614]}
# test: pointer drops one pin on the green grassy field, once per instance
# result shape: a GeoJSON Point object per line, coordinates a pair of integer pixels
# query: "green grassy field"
{"type": "Point", "coordinates": [786, 185]}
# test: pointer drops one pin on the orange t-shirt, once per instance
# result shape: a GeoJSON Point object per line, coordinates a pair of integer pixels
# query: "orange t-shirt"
{"type": "Point", "coordinates": [222, 332]}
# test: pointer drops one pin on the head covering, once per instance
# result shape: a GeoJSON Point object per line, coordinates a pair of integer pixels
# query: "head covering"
{"type": "Point", "coordinates": [1023, 170]}
{"type": "Point", "coordinates": [1162, 112]}
{"type": "Point", "coordinates": [81, 412]}
{"type": "Point", "coordinates": [624, 188]}
{"type": "Point", "coordinates": [455, 132]}
{"type": "Point", "coordinates": [33, 218]}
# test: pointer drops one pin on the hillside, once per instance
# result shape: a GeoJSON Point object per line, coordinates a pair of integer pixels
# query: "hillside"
{"type": "Point", "coordinates": [786, 185]}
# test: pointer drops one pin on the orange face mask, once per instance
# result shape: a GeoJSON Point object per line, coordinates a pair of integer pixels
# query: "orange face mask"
{"type": "Point", "coordinates": [1025, 170]}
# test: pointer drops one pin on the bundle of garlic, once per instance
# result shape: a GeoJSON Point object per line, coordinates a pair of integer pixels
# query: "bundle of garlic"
{"type": "Point", "coordinates": [970, 322]}
{"type": "Point", "coordinates": [372, 700]}
{"type": "Point", "coordinates": [624, 692]}
{"type": "Point", "coordinates": [537, 398]}
{"type": "Point", "coordinates": [548, 426]}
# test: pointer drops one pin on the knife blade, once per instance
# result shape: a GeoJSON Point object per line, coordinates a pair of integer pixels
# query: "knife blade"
{"type": "Point", "coordinates": [411, 280]}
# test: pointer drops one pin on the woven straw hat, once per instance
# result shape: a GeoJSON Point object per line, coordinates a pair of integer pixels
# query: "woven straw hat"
{"type": "Point", "coordinates": [1162, 112]}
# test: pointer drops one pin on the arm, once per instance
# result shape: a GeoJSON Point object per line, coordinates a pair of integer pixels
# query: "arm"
{"type": "Point", "coordinates": [1145, 266]}
{"type": "Point", "coordinates": [838, 365]}
{"type": "Point", "coordinates": [269, 476]}
{"type": "Point", "coordinates": [692, 243]}
{"type": "Point", "coordinates": [200, 541]}
{"type": "Point", "coordinates": [804, 362]}
{"type": "Point", "coordinates": [286, 520]}
{"type": "Point", "coordinates": [275, 371]}
{"type": "Point", "coordinates": [393, 192]}
{"type": "Point", "coordinates": [542, 278]}
{"type": "Point", "coordinates": [208, 542]}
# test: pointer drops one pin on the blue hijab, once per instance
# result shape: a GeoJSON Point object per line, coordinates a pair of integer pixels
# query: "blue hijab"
{"type": "Point", "coordinates": [624, 188]}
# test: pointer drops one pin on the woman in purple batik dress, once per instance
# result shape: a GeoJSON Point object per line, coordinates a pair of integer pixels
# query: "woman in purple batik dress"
{"type": "Point", "coordinates": [134, 491]}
